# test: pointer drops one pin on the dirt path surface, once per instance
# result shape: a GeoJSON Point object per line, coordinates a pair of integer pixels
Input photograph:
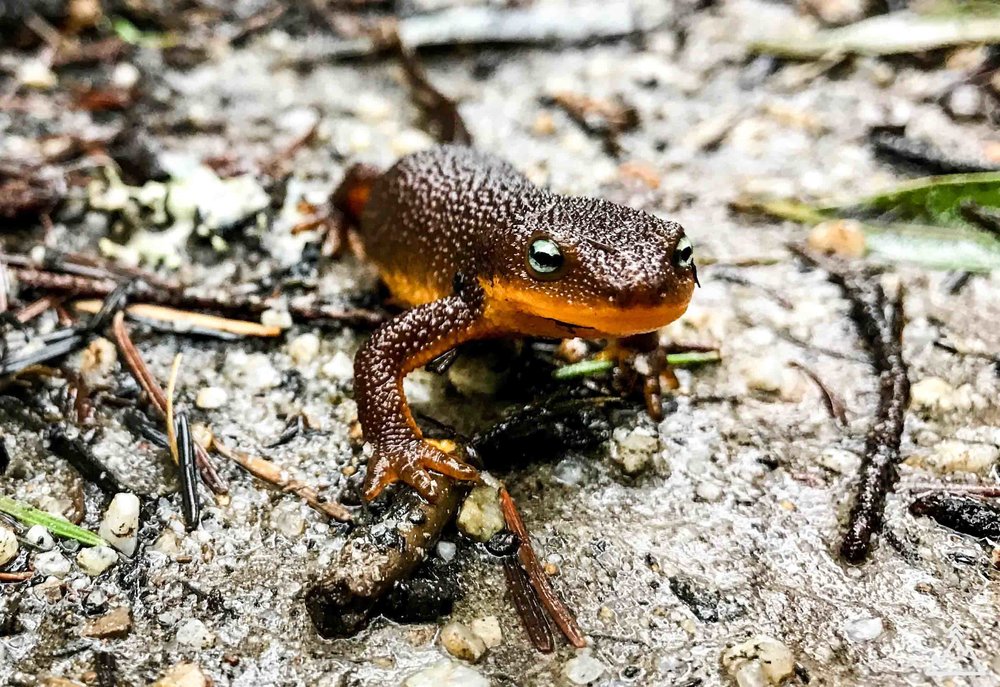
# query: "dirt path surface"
{"type": "Point", "coordinates": [673, 541]}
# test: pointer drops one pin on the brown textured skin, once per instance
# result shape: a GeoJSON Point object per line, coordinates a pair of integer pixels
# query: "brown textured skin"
{"type": "Point", "coordinates": [448, 230]}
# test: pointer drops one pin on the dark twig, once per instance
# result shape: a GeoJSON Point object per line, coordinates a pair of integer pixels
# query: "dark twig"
{"type": "Point", "coordinates": [76, 452]}
{"type": "Point", "coordinates": [987, 219]}
{"type": "Point", "coordinates": [880, 324]}
{"type": "Point", "coordinates": [555, 607]}
{"type": "Point", "coordinates": [963, 514]}
{"type": "Point", "coordinates": [370, 563]}
{"type": "Point", "coordinates": [440, 112]}
{"type": "Point", "coordinates": [834, 405]}
{"type": "Point", "coordinates": [187, 462]}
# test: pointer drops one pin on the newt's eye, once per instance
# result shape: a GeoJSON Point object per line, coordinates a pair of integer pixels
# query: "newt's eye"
{"type": "Point", "coordinates": [684, 253]}
{"type": "Point", "coordinates": [545, 258]}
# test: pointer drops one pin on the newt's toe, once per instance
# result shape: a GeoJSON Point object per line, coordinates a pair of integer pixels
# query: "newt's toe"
{"type": "Point", "coordinates": [412, 464]}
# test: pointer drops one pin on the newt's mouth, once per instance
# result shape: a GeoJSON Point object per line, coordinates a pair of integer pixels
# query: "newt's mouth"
{"type": "Point", "coordinates": [515, 306]}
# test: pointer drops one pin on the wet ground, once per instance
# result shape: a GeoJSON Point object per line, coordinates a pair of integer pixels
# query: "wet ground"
{"type": "Point", "coordinates": [672, 541]}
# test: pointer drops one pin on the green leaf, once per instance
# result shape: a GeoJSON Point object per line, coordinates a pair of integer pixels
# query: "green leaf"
{"type": "Point", "coordinates": [933, 201]}
{"type": "Point", "coordinates": [598, 366]}
{"type": "Point", "coordinates": [55, 525]}
{"type": "Point", "coordinates": [584, 368]}
{"type": "Point", "coordinates": [693, 358]}
{"type": "Point", "coordinates": [918, 222]}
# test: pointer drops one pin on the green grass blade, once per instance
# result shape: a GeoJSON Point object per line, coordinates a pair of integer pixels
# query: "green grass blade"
{"type": "Point", "coordinates": [57, 526]}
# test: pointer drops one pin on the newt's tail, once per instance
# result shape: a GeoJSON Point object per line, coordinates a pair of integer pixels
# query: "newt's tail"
{"type": "Point", "coordinates": [352, 195]}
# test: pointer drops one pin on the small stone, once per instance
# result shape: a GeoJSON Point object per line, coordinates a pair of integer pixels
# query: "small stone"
{"type": "Point", "coordinates": [252, 371]}
{"type": "Point", "coordinates": [839, 460]}
{"type": "Point", "coordinates": [51, 563]}
{"type": "Point", "coordinates": [287, 519]}
{"type": "Point", "coordinates": [211, 397]}
{"type": "Point", "coordinates": [121, 523]}
{"type": "Point", "coordinates": [761, 660]}
{"type": "Point", "coordinates": [707, 491]}
{"type": "Point", "coordinates": [480, 516]}
{"type": "Point", "coordinates": [931, 392]}
{"type": "Point", "coordinates": [193, 634]}
{"type": "Point", "coordinates": [569, 472]}
{"type": "Point", "coordinates": [303, 349]}
{"type": "Point", "coordinates": [965, 101]}
{"type": "Point", "coordinates": [765, 374]}
{"type": "Point", "coordinates": [446, 673]}
{"type": "Point", "coordinates": [843, 237]}
{"type": "Point", "coordinates": [114, 623]}
{"type": "Point", "coordinates": [99, 360]}
{"type": "Point", "coordinates": [488, 630]}
{"type": "Point", "coordinates": [583, 669]}
{"type": "Point", "coordinates": [863, 629]}
{"type": "Point", "coordinates": [8, 546]}
{"type": "Point", "coordinates": [446, 550]}
{"type": "Point", "coordinates": [276, 318]}
{"type": "Point", "coordinates": [957, 456]}
{"type": "Point", "coordinates": [633, 450]}
{"type": "Point", "coordinates": [340, 367]}
{"type": "Point", "coordinates": [410, 141]}
{"type": "Point", "coordinates": [37, 74]}
{"type": "Point", "coordinates": [544, 124]}
{"type": "Point", "coordinates": [94, 560]}
{"type": "Point", "coordinates": [183, 675]}
{"type": "Point", "coordinates": [461, 642]}
{"type": "Point", "coordinates": [40, 538]}
{"type": "Point", "coordinates": [125, 75]}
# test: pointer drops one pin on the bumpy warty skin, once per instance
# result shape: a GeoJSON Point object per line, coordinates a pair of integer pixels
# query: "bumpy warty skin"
{"type": "Point", "coordinates": [452, 209]}
{"type": "Point", "coordinates": [449, 230]}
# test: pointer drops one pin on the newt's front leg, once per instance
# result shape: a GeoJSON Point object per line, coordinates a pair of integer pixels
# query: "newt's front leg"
{"type": "Point", "coordinates": [401, 345]}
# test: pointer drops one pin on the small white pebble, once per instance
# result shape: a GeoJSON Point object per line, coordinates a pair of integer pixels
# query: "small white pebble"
{"type": "Point", "coordinates": [8, 546]}
{"type": "Point", "coordinates": [446, 673]}
{"type": "Point", "coordinates": [125, 75]}
{"type": "Point", "coordinates": [340, 367]}
{"type": "Point", "coordinates": [36, 74]}
{"type": "Point", "coordinates": [121, 523]}
{"type": "Point", "coordinates": [931, 392]}
{"type": "Point", "coordinates": [304, 348]}
{"type": "Point", "coordinates": [583, 669]}
{"type": "Point", "coordinates": [488, 629]}
{"type": "Point", "coordinates": [863, 629]}
{"type": "Point", "coordinates": [51, 563]}
{"type": "Point", "coordinates": [193, 634]}
{"type": "Point", "coordinates": [40, 538]}
{"type": "Point", "coordinates": [480, 516]}
{"type": "Point", "coordinates": [761, 660]}
{"type": "Point", "coordinates": [707, 491]}
{"type": "Point", "coordinates": [211, 397]}
{"type": "Point", "coordinates": [461, 642]}
{"type": "Point", "coordinates": [276, 318]}
{"type": "Point", "coordinates": [94, 560]}
{"type": "Point", "coordinates": [446, 550]}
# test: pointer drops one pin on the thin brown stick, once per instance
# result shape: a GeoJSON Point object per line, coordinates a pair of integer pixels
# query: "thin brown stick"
{"type": "Point", "coordinates": [267, 471]}
{"type": "Point", "coordinates": [560, 613]}
{"type": "Point", "coordinates": [16, 576]}
{"type": "Point", "coordinates": [833, 403]}
{"type": "Point", "coordinates": [36, 308]}
{"type": "Point", "coordinates": [142, 375]}
{"type": "Point", "coordinates": [186, 318]}
{"type": "Point", "coordinates": [528, 606]}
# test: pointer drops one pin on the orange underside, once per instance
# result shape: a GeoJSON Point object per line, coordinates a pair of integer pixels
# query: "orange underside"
{"type": "Point", "coordinates": [528, 312]}
{"type": "Point", "coordinates": [510, 309]}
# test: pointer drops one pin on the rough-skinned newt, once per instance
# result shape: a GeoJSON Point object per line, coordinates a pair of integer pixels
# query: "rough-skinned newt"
{"type": "Point", "coordinates": [477, 251]}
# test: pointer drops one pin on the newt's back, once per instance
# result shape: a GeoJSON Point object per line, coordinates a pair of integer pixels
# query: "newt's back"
{"type": "Point", "coordinates": [424, 218]}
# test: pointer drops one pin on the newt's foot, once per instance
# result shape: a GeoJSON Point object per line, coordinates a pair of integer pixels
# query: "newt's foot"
{"type": "Point", "coordinates": [411, 463]}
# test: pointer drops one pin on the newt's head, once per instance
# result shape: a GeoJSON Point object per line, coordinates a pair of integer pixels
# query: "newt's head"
{"type": "Point", "coordinates": [590, 267]}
